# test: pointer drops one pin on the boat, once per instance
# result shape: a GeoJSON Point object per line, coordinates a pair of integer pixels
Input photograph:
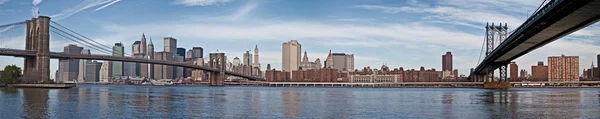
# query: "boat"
{"type": "Point", "coordinates": [146, 83]}
{"type": "Point", "coordinates": [162, 82]}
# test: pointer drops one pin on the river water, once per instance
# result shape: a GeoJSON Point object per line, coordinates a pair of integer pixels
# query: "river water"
{"type": "Point", "coordinates": [126, 101]}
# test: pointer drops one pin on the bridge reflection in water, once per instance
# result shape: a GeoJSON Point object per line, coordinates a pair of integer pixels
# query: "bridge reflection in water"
{"type": "Point", "coordinates": [92, 101]}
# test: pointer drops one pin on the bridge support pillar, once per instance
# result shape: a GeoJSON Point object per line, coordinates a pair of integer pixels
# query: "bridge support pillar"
{"type": "Point", "coordinates": [503, 73]}
{"type": "Point", "coordinates": [37, 69]}
{"type": "Point", "coordinates": [217, 60]}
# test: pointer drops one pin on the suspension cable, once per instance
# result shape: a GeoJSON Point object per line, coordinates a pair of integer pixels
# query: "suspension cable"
{"type": "Point", "coordinates": [79, 41]}
{"type": "Point", "coordinates": [80, 34]}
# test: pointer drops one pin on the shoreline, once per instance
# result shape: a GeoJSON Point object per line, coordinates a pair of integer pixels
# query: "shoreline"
{"type": "Point", "coordinates": [348, 86]}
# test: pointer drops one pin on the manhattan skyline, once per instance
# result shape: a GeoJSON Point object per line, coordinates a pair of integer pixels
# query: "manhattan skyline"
{"type": "Point", "coordinates": [393, 33]}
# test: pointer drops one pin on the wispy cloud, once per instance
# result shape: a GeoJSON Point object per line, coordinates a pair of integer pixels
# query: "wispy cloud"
{"type": "Point", "coordinates": [199, 2]}
{"type": "Point", "coordinates": [86, 4]}
{"type": "Point", "coordinates": [3, 1]}
{"type": "Point", "coordinates": [111, 3]}
{"type": "Point", "coordinates": [244, 10]}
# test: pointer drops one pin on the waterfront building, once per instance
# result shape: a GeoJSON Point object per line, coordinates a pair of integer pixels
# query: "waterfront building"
{"type": "Point", "coordinates": [247, 64]}
{"type": "Point", "coordinates": [514, 72]}
{"type": "Point", "coordinates": [163, 71]}
{"type": "Point", "coordinates": [69, 68]}
{"type": "Point", "coordinates": [291, 55]}
{"type": "Point", "coordinates": [82, 66]}
{"type": "Point", "coordinates": [198, 74]}
{"type": "Point", "coordinates": [117, 66]}
{"type": "Point", "coordinates": [539, 72]}
{"type": "Point", "coordinates": [373, 78]}
{"type": "Point", "coordinates": [523, 75]}
{"type": "Point", "coordinates": [563, 68]}
{"type": "Point", "coordinates": [93, 71]}
{"type": "Point", "coordinates": [447, 61]}
{"type": "Point", "coordinates": [105, 71]}
{"type": "Point", "coordinates": [318, 75]}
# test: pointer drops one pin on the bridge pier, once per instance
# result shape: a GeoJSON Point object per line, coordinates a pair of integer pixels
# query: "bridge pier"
{"type": "Point", "coordinates": [37, 68]}
{"type": "Point", "coordinates": [217, 60]}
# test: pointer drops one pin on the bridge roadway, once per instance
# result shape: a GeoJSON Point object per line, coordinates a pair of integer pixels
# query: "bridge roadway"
{"type": "Point", "coordinates": [556, 19]}
{"type": "Point", "coordinates": [60, 55]}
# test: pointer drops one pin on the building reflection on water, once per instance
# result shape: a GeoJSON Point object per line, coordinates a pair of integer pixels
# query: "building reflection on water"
{"type": "Point", "coordinates": [35, 103]}
{"type": "Point", "coordinates": [290, 100]}
{"type": "Point", "coordinates": [518, 104]}
{"type": "Point", "coordinates": [447, 99]}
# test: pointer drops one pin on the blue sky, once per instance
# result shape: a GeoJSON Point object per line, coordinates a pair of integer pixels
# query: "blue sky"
{"type": "Point", "coordinates": [399, 33]}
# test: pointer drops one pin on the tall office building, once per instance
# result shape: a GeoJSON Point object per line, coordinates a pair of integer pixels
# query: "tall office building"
{"type": "Point", "coordinates": [163, 71]}
{"type": "Point", "coordinates": [92, 73]}
{"type": "Point", "coordinates": [181, 52]}
{"type": "Point", "coordinates": [198, 52]}
{"type": "Point", "coordinates": [598, 61]}
{"type": "Point", "coordinates": [340, 61]}
{"type": "Point", "coordinates": [563, 68]}
{"type": "Point", "coordinates": [247, 64]}
{"type": "Point", "coordinates": [199, 74]}
{"type": "Point", "coordinates": [189, 55]}
{"type": "Point", "coordinates": [170, 45]}
{"type": "Point", "coordinates": [135, 48]}
{"type": "Point", "coordinates": [291, 55]}
{"type": "Point", "coordinates": [117, 67]}
{"type": "Point", "coordinates": [539, 72]}
{"type": "Point", "coordinates": [82, 66]}
{"type": "Point", "coordinates": [447, 61]}
{"type": "Point", "coordinates": [150, 55]}
{"type": "Point", "coordinates": [143, 48]}
{"type": "Point", "coordinates": [514, 72]}
{"type": "Point", "coordinates": [105, 71]}
{"type": "Point", "coordinates": [256, 65]}
{"type": "Point", "coordinates": [69, 68]}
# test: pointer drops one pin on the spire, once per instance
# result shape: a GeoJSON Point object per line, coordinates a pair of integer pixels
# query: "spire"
{"type": "Point", "coordinates": [143, 35]}
{"type": "Point", "coordinates": [151, 42]}
{"type": "Point", "coordinates": [305, 58]}
{"type": "Point", "coordinates": [329, 53]}
{"type": "Point", "coordinates": [256, 47]}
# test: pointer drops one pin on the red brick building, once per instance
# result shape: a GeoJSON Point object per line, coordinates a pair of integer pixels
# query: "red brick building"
{"type": "Point", "coordinates": [319, 75]}
{"type": "Point", "coordinates": [539, 72]}
{"type": "Point", "coordinates": [277, 76]}
{"type": "Point", "coordinates": [514, 72]}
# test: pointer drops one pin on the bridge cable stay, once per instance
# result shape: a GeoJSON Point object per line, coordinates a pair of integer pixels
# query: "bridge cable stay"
{"type": "Point", "coordinates": [85, 39]}
{"type": "Point", "coordinates": [78, 41]}
{"type": "Point", "coordinates": [481, 51]}
{"type": "Point", "coordinates": [64, 36]}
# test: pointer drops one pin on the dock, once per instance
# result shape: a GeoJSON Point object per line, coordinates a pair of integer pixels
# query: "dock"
{"type": "Point", "coordinates": [63, 85]}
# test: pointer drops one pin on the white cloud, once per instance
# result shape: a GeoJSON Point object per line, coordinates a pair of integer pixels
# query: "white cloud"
{"type": "Point", "coordinates": [199, 2]}
{"type": "Point", "coordinates": [36, 2]}
{"type": "Point", "coordinates": [3, 1]}
{"type": "Point", "coordinates": [86, 4]}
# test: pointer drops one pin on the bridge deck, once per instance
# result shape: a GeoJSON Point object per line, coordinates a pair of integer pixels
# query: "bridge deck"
{"type": "Point", "coordinates": [562, 17]}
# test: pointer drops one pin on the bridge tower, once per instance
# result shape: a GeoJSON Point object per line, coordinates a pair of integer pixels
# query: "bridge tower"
{"type": "Point", "coordinates": [494, 36]}
{"type": "Point", "coordinates": [37, 68]}
{"type": "Point", "coordinates": [218, 61]}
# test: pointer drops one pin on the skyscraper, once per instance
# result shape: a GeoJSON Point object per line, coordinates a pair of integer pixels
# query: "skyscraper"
{"type": "Point", "coordinates": [69, 68]}
{"type": "Point", "coordinates": [189, 55]}
{"type": "Point", "coordinates": [198, 52]}
{"type": "Point", "coordinates": [117, 67]}
{"type": "Point", "coordinates": [150, 55]}
{"type": "Point", "coordinates": [143, 48]}
{"type": "Point", "coordinates": [291, 55]}
{"type": "Point", "coordinates": [170, 45]}
{"type": "Point", "coordinates": [514, 72]}
{"type": "Point", "coordinates": [105, 71]}
{"type": "Point", "coordinates": [247, 64]}
{"type": "Point", "coordinates": [306, 64]}
{"type": "Point", "coordinates": [598, 61]}
{"type": "Point", "coordinates": [181, 52]}
{"type": "Point", "coordinates": [256, 65]}
{"type": "Point", "coordinates": [563, 68]}
{"type": "Point", "coordinates": [93, 71]}
{"type": "Point", "coordinates": [447, 61]}
{"type": "Point", "coordinates": [163, 71]}
{"type": "Point", "coordinates": [82, 66]}
{"type": "Point", "coordinates": [135, 47]}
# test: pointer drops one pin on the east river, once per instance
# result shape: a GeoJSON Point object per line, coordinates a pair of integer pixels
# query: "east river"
{"type": "Point", "coordinates": [127, 101]}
